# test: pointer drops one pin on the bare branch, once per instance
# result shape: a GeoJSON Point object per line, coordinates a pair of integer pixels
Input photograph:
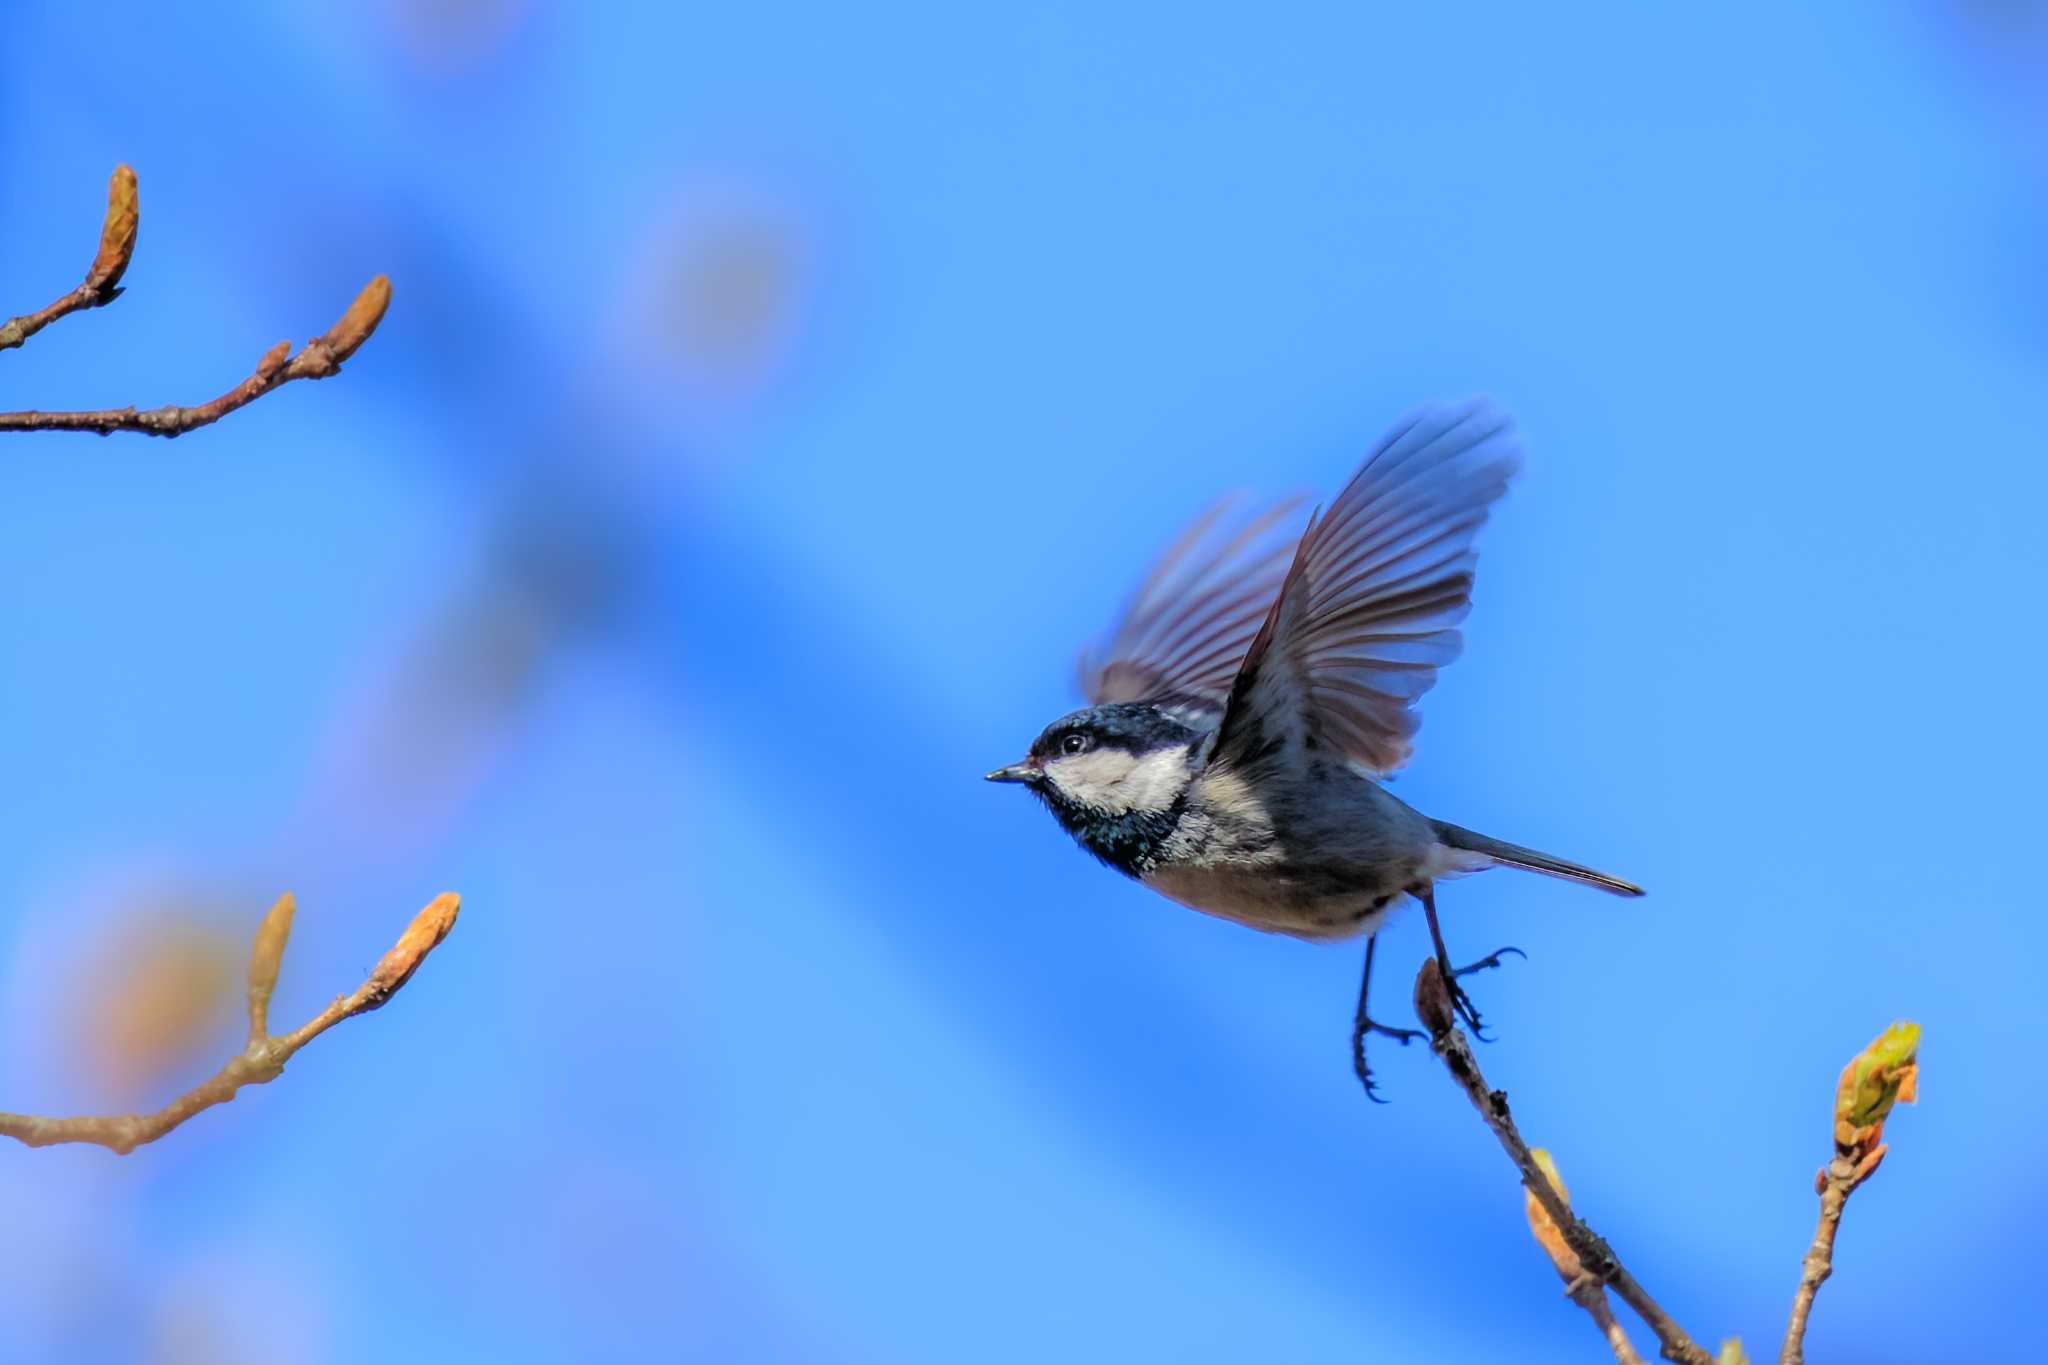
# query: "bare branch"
{"type": "Point", "coordinates": [1885, 1073]}
{"type": "Point", "coordinates": [321, 357]}
{"type": "Point", "coordinates": [1597, 1261]}
{"type": "Point", "coordinates": [264, 1057]}
{"type": "Point", "coordinates": [103, 277]}
{"type": "Point", "coordinates": [1581, 1288]}
{"type": "Point", "coordinates": [1588, 1294]}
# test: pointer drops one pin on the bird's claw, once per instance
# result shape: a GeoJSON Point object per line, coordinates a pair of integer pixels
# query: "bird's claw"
{"type": "Point", "coordinates": [1492, 959]}
{"type": "Point", "coordinates": [1364, 1029]}
{"type": "Point", "coordinates": [1460, 1001]}
{"type": "Point", "coordinates": [1467, 1011]}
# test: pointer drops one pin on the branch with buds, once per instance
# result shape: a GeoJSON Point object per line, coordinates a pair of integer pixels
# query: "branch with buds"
{"type": "Point", "coordinates": [263, 1057]}
{"type": "Point", "coordinates": [1581, 1288]}
{"type": "Point", "coordinates": [1884, 1073]}
{"type": "Point", "coordinates": [320, 357]}
{"type": "Point", "coordinates": [1591, 1266]}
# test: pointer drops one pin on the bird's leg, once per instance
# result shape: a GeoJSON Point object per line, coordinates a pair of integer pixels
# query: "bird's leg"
{"type": "Point", "coordinates": [1363, 1023]}
{"type": "Point", "coordinates": [1460, 1001]}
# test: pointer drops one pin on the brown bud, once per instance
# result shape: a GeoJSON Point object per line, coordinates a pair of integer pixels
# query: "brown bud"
{"type": "Point", "coordinates": [273, 360]}
{"type": "Point", "coordinates": [1544, 1228]}
{"type": "Point", "coordinates": [117, 233]}
{"type": "Point", "coordinates": [265, 954]}
{"type": "Point", "coordinates": [421, 937]}
{"type": "Point", "coordinates": [1432, 998]}
{"type": "Point", "coordinates": [360, 320]}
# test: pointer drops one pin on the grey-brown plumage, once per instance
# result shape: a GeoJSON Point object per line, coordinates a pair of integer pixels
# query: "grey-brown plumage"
{"type": "Point", "coordinates": [1260, 685]}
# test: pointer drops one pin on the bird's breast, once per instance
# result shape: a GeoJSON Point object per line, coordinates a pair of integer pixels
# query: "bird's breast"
{"type": "Point", "coordinates": [1274, 901]}
{"type": "Point", "coordinates": [1314, 859]}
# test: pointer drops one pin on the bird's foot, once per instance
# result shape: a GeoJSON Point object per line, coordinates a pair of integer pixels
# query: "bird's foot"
{"type": "Point", "coordinates": [1492, 959]}
{"type": "Point", "coordinates": [1359, 1033]}
{"type": "Point", "coordinates": [1364, 1073]}
{"type": "Point", "coordinates": [1460, 1001]}
{"type": "Point", "coordinates": [1466, 1010]}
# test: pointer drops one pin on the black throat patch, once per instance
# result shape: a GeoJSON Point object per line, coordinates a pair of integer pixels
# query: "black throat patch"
{"type": "Point", "coordinates": [1130, 842]}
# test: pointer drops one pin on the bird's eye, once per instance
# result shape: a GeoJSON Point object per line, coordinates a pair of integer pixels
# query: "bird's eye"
{"type": "Point", "coordinates": [1074, 743]}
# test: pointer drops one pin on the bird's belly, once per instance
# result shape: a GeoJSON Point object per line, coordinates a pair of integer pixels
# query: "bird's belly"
{"type": "Point", "coordinates": [1267, 899]}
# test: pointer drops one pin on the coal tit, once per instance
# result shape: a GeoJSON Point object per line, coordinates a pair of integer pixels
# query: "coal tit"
{"type": "Point", "coordinates": [1261, 684]}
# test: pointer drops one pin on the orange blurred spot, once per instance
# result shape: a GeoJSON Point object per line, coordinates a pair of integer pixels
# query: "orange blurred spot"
{"type": "Point", "coordinates": [151, 999]}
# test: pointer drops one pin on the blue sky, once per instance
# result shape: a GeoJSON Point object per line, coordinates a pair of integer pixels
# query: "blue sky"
{"type": "Point", "coordinates": [773, 400]}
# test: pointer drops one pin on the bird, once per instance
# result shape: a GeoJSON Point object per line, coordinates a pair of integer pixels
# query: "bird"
{"type": "Point", "coordinates": [1260, 688]}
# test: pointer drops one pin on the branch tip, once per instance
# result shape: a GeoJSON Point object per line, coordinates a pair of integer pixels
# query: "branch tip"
{"type": "Point", "coordinates": [396, 967]}
{"type": "Point", "coordinates": [266, 953]}
{"type": "Point", "coordinates": [1885, 1073]}
{"type": "Point", "coordinates": [263, 1058]}
{"type": "Point", "coordinates": [117, 237]}
{"type": "Point", "coordinates": [360, 320]}
{"type": "Point", "coordinates": [321, 357]}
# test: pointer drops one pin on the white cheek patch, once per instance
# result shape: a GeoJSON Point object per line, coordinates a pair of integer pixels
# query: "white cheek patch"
{"type": "Point", "coordinates": [1157, 780]}
{"type": "Point", "coordinates": [1114, 781]}
{"type": "Point", "coordinates": [1092, 778]}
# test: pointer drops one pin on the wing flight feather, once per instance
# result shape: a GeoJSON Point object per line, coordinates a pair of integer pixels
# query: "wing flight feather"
{"type": "Point", "coordinates": [1368, 609]}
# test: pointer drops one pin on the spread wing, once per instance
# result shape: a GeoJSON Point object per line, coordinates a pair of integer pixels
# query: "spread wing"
{"type": "Point", "coordinates": [1369, 608]}
{"type": "Point", "coordinates": [1186, 630]}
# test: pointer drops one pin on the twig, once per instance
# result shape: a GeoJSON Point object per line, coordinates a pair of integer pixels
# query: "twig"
{"type": "Point", "coordinates": [1833, 1185]}
{"type": "Point", "coordinates": [321, 357]}
{"type": "Point", "coordinates": [1581, 1288]}
{"type": "Point", "coordinates": [102, 279]}
{"type": "Point", "coordinates": [263, 1058]}
{"type": "Point", "coordinates": [1884, 1073]}
{"type": "Point", "coordinates": [1589, 1295]}
{"type": "Point", "coordinates": [1596, 1258]}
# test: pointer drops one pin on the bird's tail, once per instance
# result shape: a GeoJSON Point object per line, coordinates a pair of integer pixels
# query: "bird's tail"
{"type": "Point", "coordinates": [1514, 855]}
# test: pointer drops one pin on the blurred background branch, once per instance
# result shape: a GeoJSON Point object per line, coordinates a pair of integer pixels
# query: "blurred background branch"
{"type": "Point", "coordinates": [320, 358]}
{"type": "Point", "coordinates": [263, 1057]}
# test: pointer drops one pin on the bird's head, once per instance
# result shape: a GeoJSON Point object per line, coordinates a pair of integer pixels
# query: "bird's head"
{"type": "Point", "coordinates": [1109, 760]}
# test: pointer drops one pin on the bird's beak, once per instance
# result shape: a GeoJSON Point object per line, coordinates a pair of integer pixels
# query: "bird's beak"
{"type": "Point", "coordinates": [1016, 772]}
